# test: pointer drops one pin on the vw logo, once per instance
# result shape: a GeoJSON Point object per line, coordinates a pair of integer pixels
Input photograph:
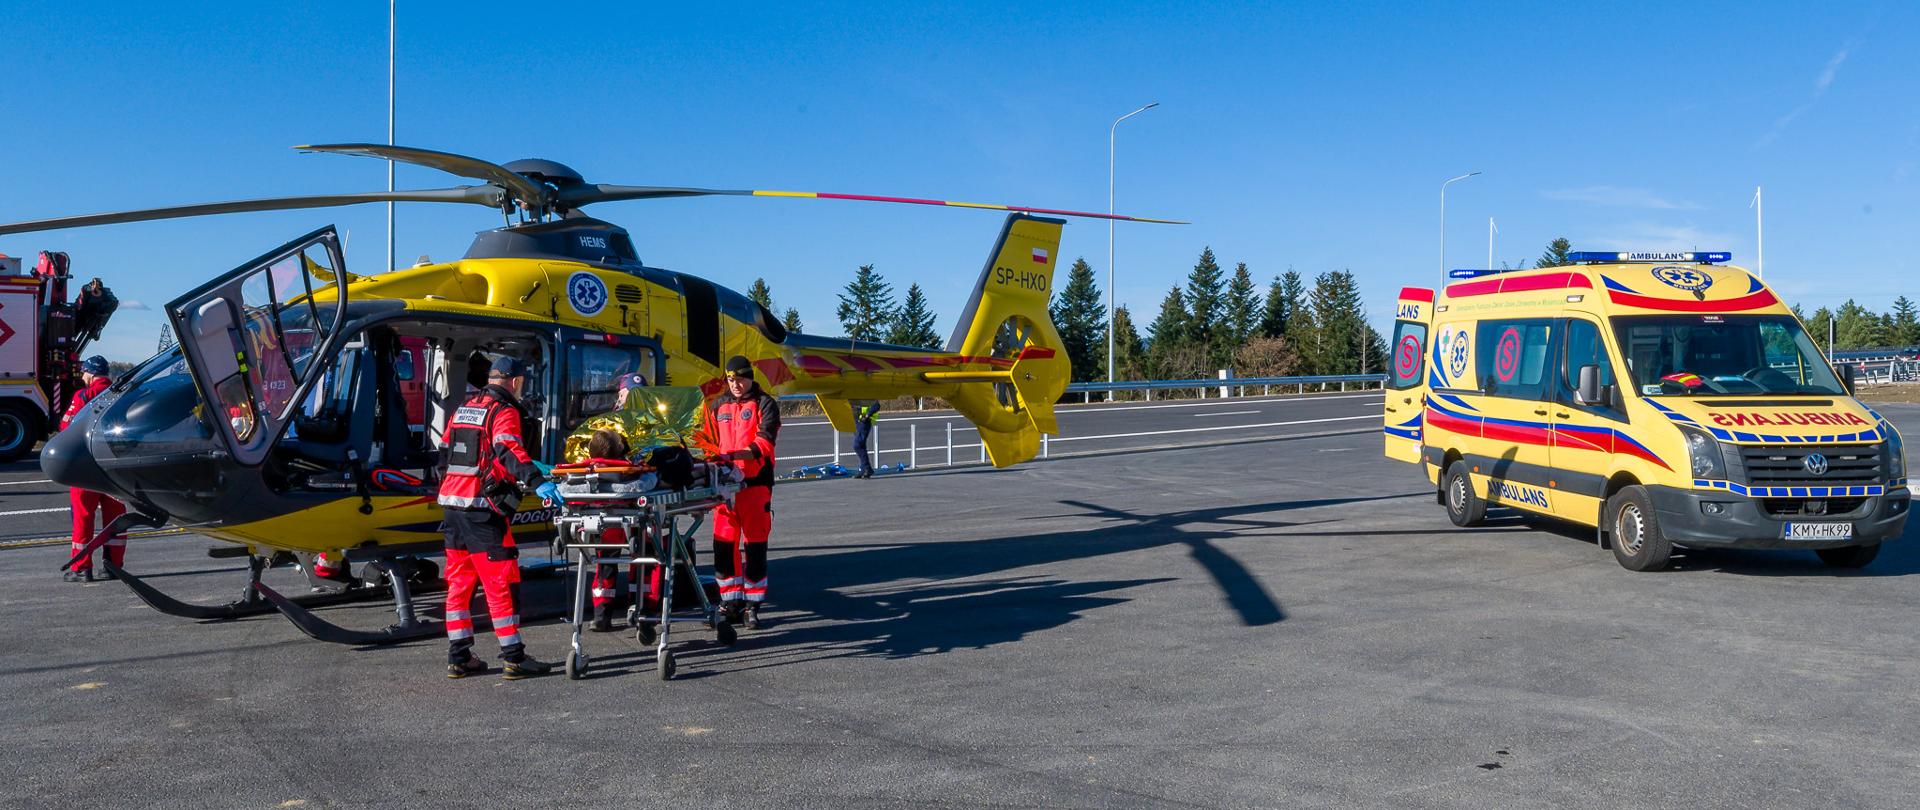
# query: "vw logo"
{"type": "Point", "coordinates": [1816, 464]}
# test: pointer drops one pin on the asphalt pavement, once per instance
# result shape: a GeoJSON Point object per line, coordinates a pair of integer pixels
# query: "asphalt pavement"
{"type": "Point", "coordinates": [1272, 621]}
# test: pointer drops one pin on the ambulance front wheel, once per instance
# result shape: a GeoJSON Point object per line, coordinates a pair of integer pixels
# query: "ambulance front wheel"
{"type": "Point", "coordinates": [1638, 543]}
{"type": "Point", "coordinates": [1463, 507]}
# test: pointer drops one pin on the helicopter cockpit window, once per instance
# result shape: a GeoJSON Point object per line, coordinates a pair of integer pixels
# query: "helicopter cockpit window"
{"type": "Point", "coordinates": [593, 377]}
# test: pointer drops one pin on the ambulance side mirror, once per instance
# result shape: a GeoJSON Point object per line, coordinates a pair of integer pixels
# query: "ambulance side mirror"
{"type": "Point", "coordinates": [1590, 392]}
{"type": "Point", "coordinates": [1846, 376]}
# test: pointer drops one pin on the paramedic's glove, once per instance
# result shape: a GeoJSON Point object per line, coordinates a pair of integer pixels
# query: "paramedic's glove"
{"type": "Point", "coordinates": [550, 492]}
{"type": "Point", "coordinates": [543, 467]}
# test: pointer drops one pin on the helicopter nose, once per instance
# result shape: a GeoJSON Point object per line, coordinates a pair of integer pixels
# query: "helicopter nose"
{"type": "Point", "coordinates": [66, 459]}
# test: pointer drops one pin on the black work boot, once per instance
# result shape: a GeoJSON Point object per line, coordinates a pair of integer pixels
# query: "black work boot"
{"type": "Point", "coordinates": [526, 667]}
{"type": "Point", "coordinates": [470, 666]}
{"type": "Point", "coordinates": [602, 623]}
{"type": "Point", "coordinates": [753, 615]}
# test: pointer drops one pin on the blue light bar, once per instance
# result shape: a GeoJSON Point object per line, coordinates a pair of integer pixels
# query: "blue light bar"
{"type": "Point", "coordinates": [1465, 273]}
{"type": "Point", "coordinates": [1592, 257]}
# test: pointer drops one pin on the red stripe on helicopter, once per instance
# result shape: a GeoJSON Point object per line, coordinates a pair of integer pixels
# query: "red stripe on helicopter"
{"type": "Point", "coordinates": [818, 366]}
{"type": "Point", "coordinates": [861, 363]}
{"type": "Point", "coordinates": [1763, 298]}
{"type": "Point", "coordinates": [1036, 353]}
{"type": "Point", "coordinates": [774, 371]}
{"type": "Point", "coordinates": [1549, 281]}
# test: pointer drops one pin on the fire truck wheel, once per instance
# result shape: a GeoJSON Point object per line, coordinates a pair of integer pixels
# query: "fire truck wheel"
{"type": "Point", "coordinates": [1463, 507]}
{"type": "Point", "coordinates": [20, 427]}
{"type": "Point", "coordinates": [1638, 543]}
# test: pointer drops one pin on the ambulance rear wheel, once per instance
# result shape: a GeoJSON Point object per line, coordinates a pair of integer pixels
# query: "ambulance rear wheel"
{"type": "Point", "coordinates": [20, 427]}
{"type": "Point", "coordinates": [1849, 557]}
{"type": "Point", "coordinates": [1464, 508]}
{"type": "Point", "coordinates": [1638, 543]}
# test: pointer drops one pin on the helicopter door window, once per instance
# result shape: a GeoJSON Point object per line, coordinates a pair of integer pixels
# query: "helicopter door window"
{"type": "Point", "coordinates": [593, 377]}
{"type": "Point", "coordinates": [251, 336]}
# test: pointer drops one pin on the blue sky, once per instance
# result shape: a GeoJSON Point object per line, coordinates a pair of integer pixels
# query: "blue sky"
{"type": "Point", "coordinates": [1306, 136]}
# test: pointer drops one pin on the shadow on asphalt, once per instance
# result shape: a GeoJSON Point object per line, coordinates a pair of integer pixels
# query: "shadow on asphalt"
{"type": "Point", "coordinates": [945, 615]}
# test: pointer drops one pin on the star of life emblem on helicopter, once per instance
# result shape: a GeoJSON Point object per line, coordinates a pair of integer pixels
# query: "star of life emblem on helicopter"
{"type": "Point", "coordinates": [587, 293]}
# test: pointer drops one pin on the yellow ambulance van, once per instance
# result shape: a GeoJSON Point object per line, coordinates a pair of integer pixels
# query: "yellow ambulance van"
{"type": "Point", "coordinates": [1666, 399]}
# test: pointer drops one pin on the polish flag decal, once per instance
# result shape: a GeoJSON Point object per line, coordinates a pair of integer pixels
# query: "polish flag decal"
{"type": "Point", "coordinates": [1039, 255]}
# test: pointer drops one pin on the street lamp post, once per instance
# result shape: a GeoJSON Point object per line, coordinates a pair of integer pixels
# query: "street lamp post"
{"type": "Point", "coordinates": [1443, 224]}
{"type": "Point", "coordinates": [1111, 131]}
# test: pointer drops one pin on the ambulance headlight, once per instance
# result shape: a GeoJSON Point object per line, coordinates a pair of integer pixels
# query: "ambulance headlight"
{"type": "Point", "coordinates": [1896, 456]}
{"type": "Point", "coordinates": [1704, 453]}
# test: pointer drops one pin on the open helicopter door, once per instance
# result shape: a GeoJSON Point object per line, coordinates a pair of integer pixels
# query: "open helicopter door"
{"type": "Point", "coordinates": [251, 338]}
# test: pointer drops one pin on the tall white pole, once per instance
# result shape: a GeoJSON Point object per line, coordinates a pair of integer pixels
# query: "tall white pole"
{"type": "Point", "coordinates": [1759, 235]}
{"type": "Point", "coordinates": [1491, 230]}
{"type": "Point", "coordinates": [1443, 224]}
{"type": "Point", "coordinates": [1111, 131]}
{"type": "Point", "coordinates": [390, 62]}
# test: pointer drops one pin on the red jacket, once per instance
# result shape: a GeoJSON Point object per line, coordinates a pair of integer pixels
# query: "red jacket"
{"type": "Point", "coordinates": [487, 464]}
{"type": "Point", "coordinates": [81, 397]}
{"type": "Point", "coordinates": [752, 423]}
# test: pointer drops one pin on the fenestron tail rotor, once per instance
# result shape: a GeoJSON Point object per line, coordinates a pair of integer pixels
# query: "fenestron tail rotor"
{"type": "Point", "coordinates": [539, 188]}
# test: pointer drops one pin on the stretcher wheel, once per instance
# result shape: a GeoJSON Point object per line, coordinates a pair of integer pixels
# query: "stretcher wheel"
{"type": "Point", "coordinates": [724, 629]}
{"type": "Point", "coordinates": [666, 665]}
{"type": "Point", "coordinates": [645, 634]}
{"type": "Point", "coordinates": [576, 666]}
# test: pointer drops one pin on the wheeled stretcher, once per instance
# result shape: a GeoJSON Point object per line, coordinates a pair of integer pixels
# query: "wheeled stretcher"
{"type": "Point", "coordinates": [619, 515]}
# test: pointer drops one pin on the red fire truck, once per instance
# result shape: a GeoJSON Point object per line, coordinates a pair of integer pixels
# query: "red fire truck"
{"type": "Point", "coordinates": [42, 335]}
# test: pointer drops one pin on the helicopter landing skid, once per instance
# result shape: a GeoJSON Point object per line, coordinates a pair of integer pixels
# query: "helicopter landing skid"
{"type": "Point", "coordinates": [250, 602]}
{"type": "Point", "coordinates": [410, 626]}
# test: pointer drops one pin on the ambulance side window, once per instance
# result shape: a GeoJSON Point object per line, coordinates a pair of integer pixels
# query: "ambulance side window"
{"type": "Point", "coordinates": [1513, 358]}
{"type": "Point", "coordinates": [1409, 353]}
{"type": "Point", "coordinates": [1585, 348]}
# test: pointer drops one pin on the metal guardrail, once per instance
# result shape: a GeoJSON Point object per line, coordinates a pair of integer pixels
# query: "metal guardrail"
{"type": "Point", "coordinates": [1266, 384]}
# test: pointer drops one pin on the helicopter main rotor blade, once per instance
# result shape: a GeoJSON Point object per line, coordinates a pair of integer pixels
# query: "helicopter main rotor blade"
{"type": "Point", "coordinates": [477, 195]}
{"type": "Point", "coordinates": [523, 189]}
{"type": "Point", "coordinates": [577, 196]}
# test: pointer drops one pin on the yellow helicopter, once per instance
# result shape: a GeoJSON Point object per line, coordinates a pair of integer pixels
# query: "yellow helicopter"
{"type": "Point", "coordinates": [300, 411]}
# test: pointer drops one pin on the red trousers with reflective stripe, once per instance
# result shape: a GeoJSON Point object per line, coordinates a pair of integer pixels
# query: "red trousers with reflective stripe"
{"type": "Point", "coordinates": [498, 580]}
{"type": "Point", "coordinates": [740, 533]}
{"type": "Point", "coordinates": [88, 505]}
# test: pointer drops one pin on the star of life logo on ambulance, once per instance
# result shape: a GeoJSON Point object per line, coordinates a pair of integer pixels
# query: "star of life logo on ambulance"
{"type": "Point", "coordinates": [1454, 350]}
{"type": "Point", "coordinates": [1684, 278]}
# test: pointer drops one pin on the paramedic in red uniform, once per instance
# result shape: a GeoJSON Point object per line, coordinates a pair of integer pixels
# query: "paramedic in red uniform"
{"type": "Point", "coordinates": [487, 469]}
{"type": "Point", "coordinates": [744, 422]}
{"type": "Point", "coordinates": [87, 505]}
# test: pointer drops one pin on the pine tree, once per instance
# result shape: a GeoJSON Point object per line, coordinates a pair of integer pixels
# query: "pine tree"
{"type": "Point", "coordinates": [1303, 324]}
{"type": "Point", "coordinates": [1243, 312]}
{"type": "Point", "coordinates": [1905, 329]}
{"type": "Point", "coordinates": [1858, 328]}
{"type": "Point", "coordinates": [866, 308]}
{"type": "Point", "coordinates": [1129, 351]}
{"type": "Point", "coordinates": [760, 294]}
{"type": "Point", "coordinates": [1556, 255]}
{"type": "Point", "coordinates": [913, 322]}
{"type": "Point", "coordinates": [1817, 327]}
{"type": "Point", "coordinates": [792, 320]}
{"type": "Point", "coordinates": [1082, 322]}
{"type": "Point", "coordinates": [1206, 303]}
{"type": "Point", "coordinates": [1170, 328]}
{"type": "Point", "coordinates": [1343, 342]}
{"type": "Point", "coordinates": [1278, 309]}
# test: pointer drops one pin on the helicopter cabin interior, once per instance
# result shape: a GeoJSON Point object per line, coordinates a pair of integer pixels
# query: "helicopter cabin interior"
{"type": "Point", "coordinates": [384, 401]}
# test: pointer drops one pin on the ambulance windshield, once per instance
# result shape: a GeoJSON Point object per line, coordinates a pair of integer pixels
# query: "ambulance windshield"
{"type": "Point", "coordinates": [1723, 355]}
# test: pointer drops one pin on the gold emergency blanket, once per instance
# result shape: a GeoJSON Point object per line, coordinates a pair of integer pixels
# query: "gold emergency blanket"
{"type": "Point", "coordinates": [656, 415]}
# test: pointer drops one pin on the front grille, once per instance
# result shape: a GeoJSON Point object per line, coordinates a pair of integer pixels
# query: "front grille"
{"type": "Point", "coordinates": [1778, 466]}
{"type": "Point", "coordinates": [1810, 507]}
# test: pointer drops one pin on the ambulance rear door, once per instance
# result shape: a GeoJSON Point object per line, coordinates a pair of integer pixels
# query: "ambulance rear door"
{"type": "Point", "coordinates": [1406, 388]}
